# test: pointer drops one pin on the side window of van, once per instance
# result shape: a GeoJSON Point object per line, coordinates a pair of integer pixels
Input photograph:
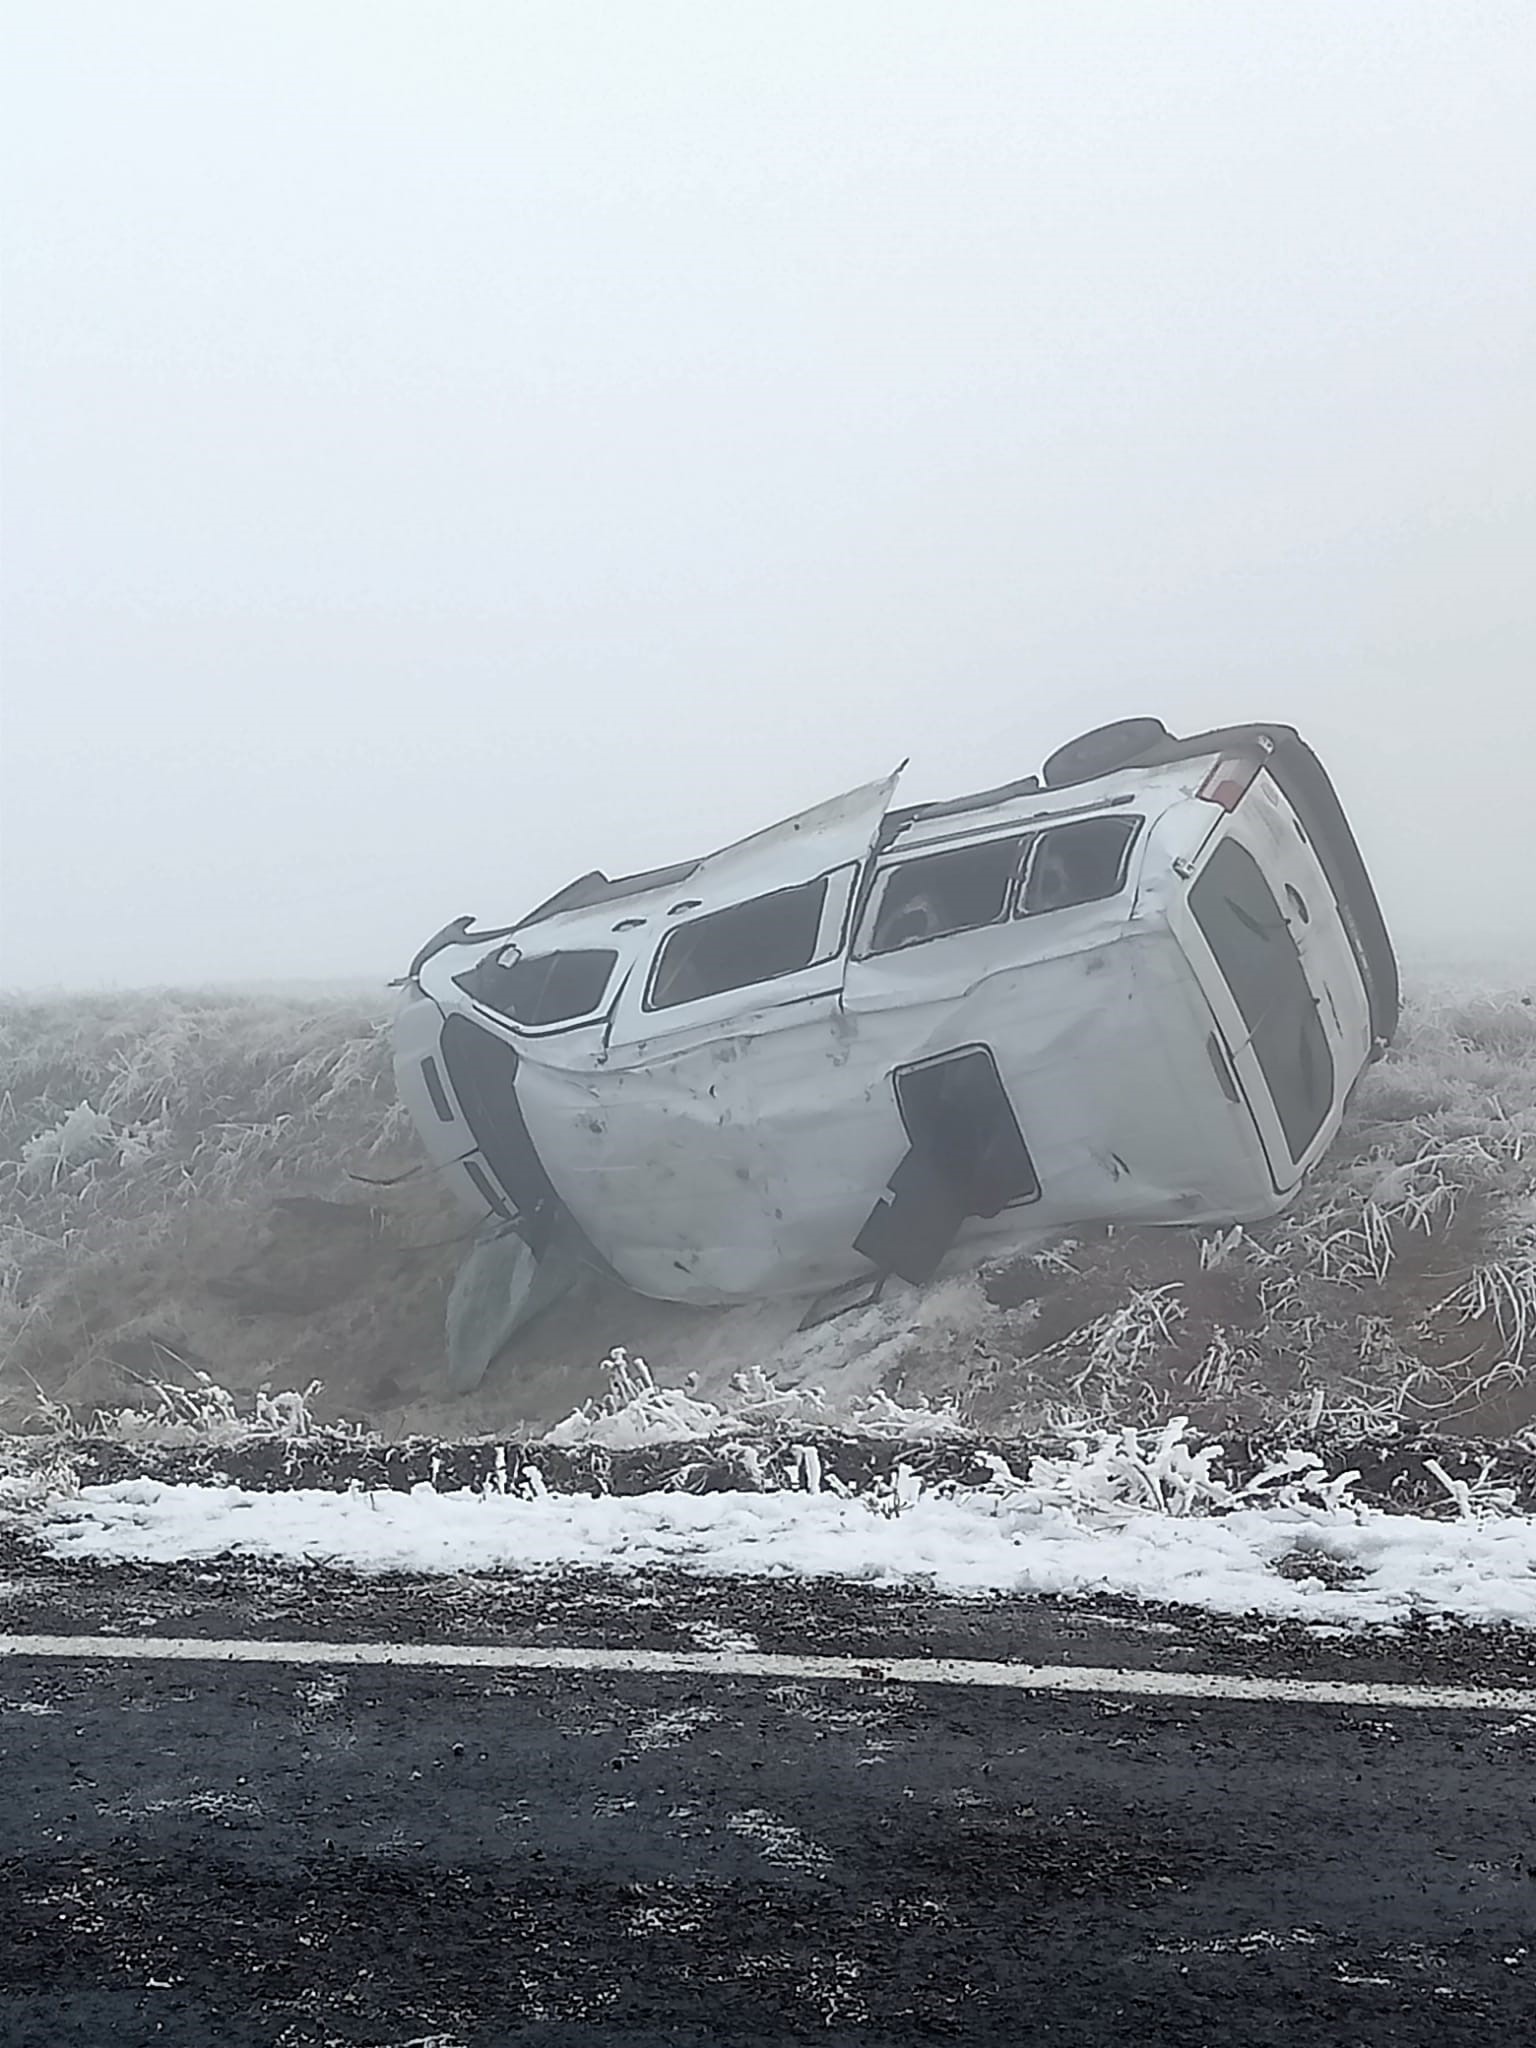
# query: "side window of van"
{"type": "Point", "coordinates": [1078, 863]}
{"type": "Point", "coordinates": [1246, 931]}
{"type": "Point", "coordinates": [959, 890]}
{"type": "Point", "coordinates": [760, 940]}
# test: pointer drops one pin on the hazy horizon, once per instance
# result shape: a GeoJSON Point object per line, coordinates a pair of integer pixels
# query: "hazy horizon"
{"type": "Point", "coordinates": [449, 449]}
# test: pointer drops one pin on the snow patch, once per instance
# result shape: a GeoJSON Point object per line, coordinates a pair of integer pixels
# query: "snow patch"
{"type": "Point", "coordinates": [1026, 1538]}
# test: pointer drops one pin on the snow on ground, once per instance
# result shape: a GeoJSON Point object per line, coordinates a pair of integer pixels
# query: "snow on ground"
{"type": "Point", "coordinates": [1342, 1565]}
{"type": "Point", "coordinates": [1158, 1515]}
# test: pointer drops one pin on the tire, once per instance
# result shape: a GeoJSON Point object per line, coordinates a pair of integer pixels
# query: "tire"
{"type": "Point", "coordinates": [1103, 750]}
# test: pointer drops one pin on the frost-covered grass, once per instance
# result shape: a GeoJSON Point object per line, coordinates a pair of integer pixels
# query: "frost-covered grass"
{"type": "Point", "coordinates": [202, 1414]}
{"type": "Point", "coordinates": [635, 1411]}
{"type": "Point", "coordinates": [211, 1185]}
{"type": "Point", "coordinates": [1401, 1288]}
{"type": "Point", "coordinates": [177, 1200]}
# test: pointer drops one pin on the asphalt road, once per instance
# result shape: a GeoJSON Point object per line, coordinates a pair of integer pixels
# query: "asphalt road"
{"type": "Point", "coordinates": [196, 1852]}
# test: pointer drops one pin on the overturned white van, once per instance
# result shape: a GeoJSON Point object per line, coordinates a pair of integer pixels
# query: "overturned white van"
{"type": "Point", "coordinates": [1136, 989]}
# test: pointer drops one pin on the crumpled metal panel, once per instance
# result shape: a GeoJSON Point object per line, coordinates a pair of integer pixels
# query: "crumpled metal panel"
{"type": "Point", "coordinates": [745, 1166]}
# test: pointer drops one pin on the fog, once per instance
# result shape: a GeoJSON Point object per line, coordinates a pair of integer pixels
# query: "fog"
{"type": "Point", "coordinates": [448, 447]}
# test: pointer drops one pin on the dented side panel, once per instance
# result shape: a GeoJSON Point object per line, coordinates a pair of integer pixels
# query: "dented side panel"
{"type": "Point", "coordinates": [749, 1165]}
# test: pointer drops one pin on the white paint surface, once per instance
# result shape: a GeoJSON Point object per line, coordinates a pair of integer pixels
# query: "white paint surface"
{"type": "Point", "coordinates": [1092, 1680]}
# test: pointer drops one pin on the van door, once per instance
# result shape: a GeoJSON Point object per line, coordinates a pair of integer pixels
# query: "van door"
{"type": "Point", "coordinates": [937, 926]}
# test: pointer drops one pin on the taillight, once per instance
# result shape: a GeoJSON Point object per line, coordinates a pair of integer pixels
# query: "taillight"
{"type": "Point", "coordinates": [1230, 781]}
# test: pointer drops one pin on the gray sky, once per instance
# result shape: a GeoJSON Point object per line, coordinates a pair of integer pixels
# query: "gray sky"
{"type": "Point", "coordinates": [450, 445]}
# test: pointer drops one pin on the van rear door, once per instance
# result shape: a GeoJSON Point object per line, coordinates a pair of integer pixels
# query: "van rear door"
{"type": "Point", "coordinates": [1274, 1024]}
{"type": "Point", "coordinates": [1270, 827]}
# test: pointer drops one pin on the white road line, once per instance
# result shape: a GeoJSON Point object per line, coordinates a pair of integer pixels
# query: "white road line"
{"type": "Point", "coordinates": [923, 1671]}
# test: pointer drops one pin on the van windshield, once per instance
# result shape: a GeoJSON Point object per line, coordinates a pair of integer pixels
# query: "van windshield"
{"type": "Point", "coordinates": [548, 988]}
{"type": "Point", "coordinates": [1246, 931]}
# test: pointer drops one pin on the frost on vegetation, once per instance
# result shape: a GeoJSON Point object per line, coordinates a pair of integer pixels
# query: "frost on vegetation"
{"type": "Point", "coordinates": [1118, 1473]}
{"type": "Point", "coordinates": [144, 1139]}
{"type": "Point", "coordinates": [1116, 1347]}
{"type": "Point", "coordinates": [168, 1088]}
{"type": "Point", "coordinates": [1104, 1475]}
{"type": "Point", "coordinates": [1399, 1290]}
{"type": "Point", "coordinates": [30, 1484]}
{"type": "Point", "coordinates": [1110, 1478]}
{"type": "Point", "coordinates": [1502, 1292]}
{"type": "Point", "coordinates": [203, 1413]}
{"type": "Point", "coordinates": [635, 1411]}
{"type": "Point", "coordinates": [1473, 1499]}
{"type": "Point", "coordinates": [206, 1413]}
{"type": "Point", "coordinates": [79, 1137]}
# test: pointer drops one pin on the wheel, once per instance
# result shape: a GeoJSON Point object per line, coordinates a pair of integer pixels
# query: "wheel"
{"type": "Point", "coordinates": [1103, 750]}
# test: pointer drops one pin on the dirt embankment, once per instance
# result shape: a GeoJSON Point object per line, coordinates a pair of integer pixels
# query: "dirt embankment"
{"type": "Point", "coordinates": [225, 1186]}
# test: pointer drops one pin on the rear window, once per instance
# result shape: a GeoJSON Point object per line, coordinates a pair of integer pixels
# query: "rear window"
{"type": "Point", "coordinates": [1246, 931]}
{"type": "Point", "coordinates": [549, 988]}
{"type": "Point", "coordinates": [760, 940]}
